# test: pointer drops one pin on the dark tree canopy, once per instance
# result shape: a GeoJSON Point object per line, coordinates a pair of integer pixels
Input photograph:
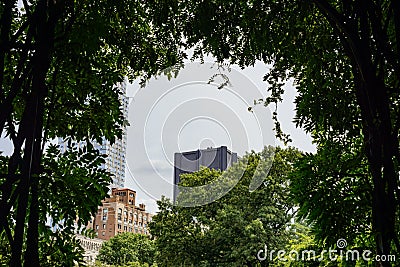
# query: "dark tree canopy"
{"type": "Point", "coordinates": [60, 62]}
{"type": "Point", "coordinates": [344, 57]}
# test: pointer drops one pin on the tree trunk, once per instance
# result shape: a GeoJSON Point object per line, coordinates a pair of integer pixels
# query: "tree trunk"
{"type": "Point", "coordinates": [380, 145]}
{"type": "Point", "coordinates": [379, 140]}
{"type": "Point", "coordinates": [23, 187]}
{"type": "Point", "coordinates": [45, 22]}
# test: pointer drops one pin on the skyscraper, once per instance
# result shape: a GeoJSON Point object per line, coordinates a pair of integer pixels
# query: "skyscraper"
{"type": "Point", "coordinates": [116, 152]}
{"type": "Point", "coordinates": [219, 158]}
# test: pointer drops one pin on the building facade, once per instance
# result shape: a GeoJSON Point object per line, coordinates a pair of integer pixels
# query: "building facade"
{"type": "Point", "coordinates": [116, 152]}
{"type": "Point", "coordinates": [91, 246]}
{"type": "Point", "coordinates": [219, 158]}
{"type": "Point", "coordinates": [119, 214]}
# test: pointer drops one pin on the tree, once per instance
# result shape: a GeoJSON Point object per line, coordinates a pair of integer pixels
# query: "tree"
{"type": "Point", "coordinates": [64, 197]}
{"type": "Point", "coordinates": [344, 57]}
{"type": "Point", "coordinates": [66, 204]}
{"type": "Point", "coordinates": [231, 230]}
{"type": "Point", "coordinates": [127, 248]}
{"type": "Point", "coordinates": [59, 64]}
{"type": "Point", "coordinates": [333, 189]}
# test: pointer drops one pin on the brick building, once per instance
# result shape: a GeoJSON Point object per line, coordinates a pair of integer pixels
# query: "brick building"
{"type": "Point", "coordinates": [119, 214]}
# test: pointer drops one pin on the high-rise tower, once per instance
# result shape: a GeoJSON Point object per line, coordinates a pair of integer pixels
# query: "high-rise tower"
{"type": "Point", "coordinates": [116, 152]}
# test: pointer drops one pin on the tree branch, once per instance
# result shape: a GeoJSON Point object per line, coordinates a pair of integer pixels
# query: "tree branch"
{"type": "Point", "coordinates": [19, 32]}
{"type": "Point", "coordinates": [6, 19]}
{"type": "Point", "coordinates": [380, 36]}
{"type": "Point", "coordinates": [27, 8]}
{"type": "Point", "coordinates": [395, 4]}
{"type": "Point", "coordinates": [21, 73]}
{"type": "Point", "coordinates": [338, 21]}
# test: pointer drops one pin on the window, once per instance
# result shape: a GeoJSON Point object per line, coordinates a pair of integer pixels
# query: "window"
{"type": "Point", "coordinates": [105, 212]}
{"type": "Point", "coordinates": [103, 233]}
{"type": "Point", "coordinates": [125, 228]}
{"type": "Point", "coordinates": [125, 215]}
{"type": "Point", "coordinates": [104, 226]}
{"type": "Point", "coordinates": [119, 226]}
{"type": "Point", "coordinates": [119, 214]}
{"type": "Point", "coordinates": [97, 227]}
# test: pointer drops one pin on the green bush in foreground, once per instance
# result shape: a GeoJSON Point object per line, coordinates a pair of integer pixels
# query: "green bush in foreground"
{"type": "Point", "coordinates": [128, 249]}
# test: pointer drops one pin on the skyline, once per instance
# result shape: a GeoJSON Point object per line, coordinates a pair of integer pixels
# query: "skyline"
{"type": "Point", "coordinates": [142, 177]}
{"type": "Point", "coordinates": [186, 113]}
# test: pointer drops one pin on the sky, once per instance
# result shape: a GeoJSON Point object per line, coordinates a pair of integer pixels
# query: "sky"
{"type": "Point", "coordinates": [190, 112]}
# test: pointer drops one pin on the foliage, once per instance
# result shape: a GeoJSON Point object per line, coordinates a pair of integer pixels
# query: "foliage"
{"type": "Point", "coordinates": [344, 58]}
{"type": "Point", "coordinates": [301, 239]}
{"type": "Point", "coordinates": [129, 264]}
{"type": "Point", "coordinates": [5, 250]}
{"type": "Point", "coordinates": [60, 63]}
{"type": "Point", "coordinates": [76, 173]}
{"type": "Point", "coordinates": [231, 230]}
{"type": "Point", "coordinates": [333, 189]}
{"type": "Point", "coordinates": [128, 249]}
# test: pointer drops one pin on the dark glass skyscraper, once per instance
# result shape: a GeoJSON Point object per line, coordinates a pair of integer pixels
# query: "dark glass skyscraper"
{"type": "Point", "coordinates": [219, 158]}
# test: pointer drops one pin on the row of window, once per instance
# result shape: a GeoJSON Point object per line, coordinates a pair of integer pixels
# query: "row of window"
{"type": "Point", "coordinates": [126, 218]}
{"type": "Point", "coordinates": [136, 227]}
{"type": "Point", "coordinates": [119, 226]}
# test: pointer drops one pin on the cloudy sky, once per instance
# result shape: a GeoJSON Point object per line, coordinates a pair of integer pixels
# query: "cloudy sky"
{"type": "Point", "coordinates": [187, 112]}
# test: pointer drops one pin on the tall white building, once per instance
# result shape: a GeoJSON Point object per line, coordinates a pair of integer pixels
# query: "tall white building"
{"type": "Point", "coordinates": [115, 161]}
{"type": "Point", "coordinates": [116, 152]}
